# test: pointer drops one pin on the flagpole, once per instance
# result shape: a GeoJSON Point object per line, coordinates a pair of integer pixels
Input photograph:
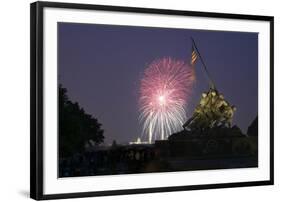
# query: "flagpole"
{"type": "Point", "coordinates": [204, 65]}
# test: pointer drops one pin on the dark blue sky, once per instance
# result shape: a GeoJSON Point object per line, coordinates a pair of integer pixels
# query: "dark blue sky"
{"type": "Point", "coordinates": [101, 67]}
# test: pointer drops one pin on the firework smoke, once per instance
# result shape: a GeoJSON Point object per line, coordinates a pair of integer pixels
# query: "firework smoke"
{"type": "Point", "coordinates": [164, 90]}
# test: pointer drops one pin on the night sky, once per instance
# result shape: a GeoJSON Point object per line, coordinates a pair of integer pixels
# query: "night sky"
{"type": "Point", "coordinates": [101, 67]}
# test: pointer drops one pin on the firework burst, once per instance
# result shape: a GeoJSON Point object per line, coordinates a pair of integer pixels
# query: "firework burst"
{"type": "Point", "coordinates": [164, 90]}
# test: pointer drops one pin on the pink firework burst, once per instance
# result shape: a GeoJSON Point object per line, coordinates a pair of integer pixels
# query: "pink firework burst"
{"type": "Point", "coordinates": [164, 91]}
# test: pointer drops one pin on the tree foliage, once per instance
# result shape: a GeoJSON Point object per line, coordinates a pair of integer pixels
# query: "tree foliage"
{"type": "Point", "coordinates": [76, 127]}
{"type": "Point", "coordinates": [253, 128]}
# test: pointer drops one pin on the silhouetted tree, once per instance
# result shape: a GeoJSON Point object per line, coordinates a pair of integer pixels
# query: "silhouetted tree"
{"type": "Point", "coordinates": [253, 128]}
{"type": "Point", "coordinates": [76, 127]}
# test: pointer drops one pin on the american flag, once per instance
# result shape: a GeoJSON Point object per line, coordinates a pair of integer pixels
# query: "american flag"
{"type": "Point", "coordinates": [193, 56]}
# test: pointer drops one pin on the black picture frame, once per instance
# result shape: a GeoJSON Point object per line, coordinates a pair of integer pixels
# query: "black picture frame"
{"type": "Point", "coordinates": [36, 99]}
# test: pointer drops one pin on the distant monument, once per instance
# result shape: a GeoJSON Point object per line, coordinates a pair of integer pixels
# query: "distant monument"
{"type": "Point", "coordinates": [138, 141]}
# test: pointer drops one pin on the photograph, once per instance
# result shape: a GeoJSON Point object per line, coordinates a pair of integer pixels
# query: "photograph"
{"type": "Point", "coordinates": [140, 101]}
{"type": "Point", "coordinates": [143, 99]}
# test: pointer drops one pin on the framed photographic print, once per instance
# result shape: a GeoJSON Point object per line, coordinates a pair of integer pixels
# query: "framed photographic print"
{"type": "Point", "coordinates": [135, 100]}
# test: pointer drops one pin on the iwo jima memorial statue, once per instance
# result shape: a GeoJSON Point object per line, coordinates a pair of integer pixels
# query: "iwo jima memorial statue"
{"type": "Point", "coordinates": [208, 139]}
